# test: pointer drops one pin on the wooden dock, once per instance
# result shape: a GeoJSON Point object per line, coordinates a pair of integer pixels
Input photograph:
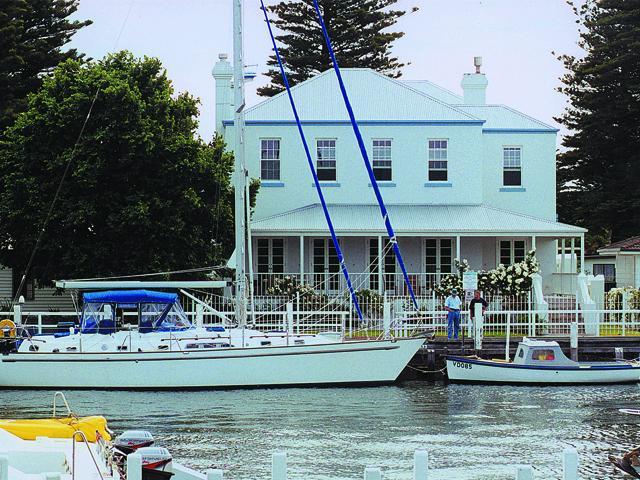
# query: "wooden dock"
{"type": "Point", "coordinates": [429, 362]}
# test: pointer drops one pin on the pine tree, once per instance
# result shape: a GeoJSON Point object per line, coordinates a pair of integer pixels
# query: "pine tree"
{"type": "Point", "coordinates": [598, 172]}
{"type": "Point", "coordinates": [357, 29]}
{"type": "Point", "coordinates": [32, 34]}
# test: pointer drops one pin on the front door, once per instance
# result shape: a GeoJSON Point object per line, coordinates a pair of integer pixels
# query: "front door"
{"type": "Point", "coordinates": [270, 262]}
{"type": "Point", "coordinates": [388, 266]}
{"type": "Point", "coordinates": [438, 256]}
{"type": "Point", "coordinates": [326, 267]}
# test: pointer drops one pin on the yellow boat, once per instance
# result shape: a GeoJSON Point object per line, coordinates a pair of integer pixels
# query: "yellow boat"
{"type": "Point", "coordinates": [63, 427]}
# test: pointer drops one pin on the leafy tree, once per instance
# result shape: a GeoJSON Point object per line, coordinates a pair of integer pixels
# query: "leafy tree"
{"type": "Point", "coordinates": [32, 34]}
{"type": "Point", "coordinates": [597, 172]}
{"type": "Point", "coordinates": [143, 193]}
{"type": "Point", "coordinates": [357, 29]}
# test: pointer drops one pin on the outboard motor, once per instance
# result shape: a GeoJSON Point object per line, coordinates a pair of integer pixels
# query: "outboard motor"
{"type": "Point", "coordinates": [156, 463]}
{"type": "Point", "coordinates": [132, 440]}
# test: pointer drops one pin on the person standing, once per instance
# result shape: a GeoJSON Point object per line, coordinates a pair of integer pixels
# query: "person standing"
{"type": "Point", "coordinates": [477, 298]}
{"type": "Point", "coordinates": [452, 306]}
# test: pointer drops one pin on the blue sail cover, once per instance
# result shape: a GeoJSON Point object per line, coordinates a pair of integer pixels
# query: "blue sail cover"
{"type": "Point", "coordinates": [130, 297]}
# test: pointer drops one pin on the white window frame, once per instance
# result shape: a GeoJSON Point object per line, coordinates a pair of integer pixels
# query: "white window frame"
{"type": "Point", "coordinates": [511, 167]}
{"type": "Point", "coordinates": [278, 159]}
{"type": "Point", "coordinates": [511, 249]}
{"type": "Point", "coordinates": [270, 254]}
{"type": "Point", "coordinates": [335, 158]}
{"type": "Point", "coordinates": [438, 255]}
{"type": "Point", "coordinates": [385, 162]}
{"type": "Point", "coordinates": [440, 160]}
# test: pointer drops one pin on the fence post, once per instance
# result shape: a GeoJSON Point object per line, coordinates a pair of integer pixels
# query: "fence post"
{"type": "Point", "coordinates": [479, 326]}
{"type": "Point", "coordinates": [507, 353]}
{"type": "Point", "coordinates": [17, 313]}
{"type": "Point", "coordinates": [199, 315]}
{"type": "Point", "coordinates": [570, 464]}
{"type": "Point", "coordinates": [524, 472]}
{"type": "Point", "coordinates": [420, 465]}
{"type": "Point", "coordinates": [625, 307]}
{"type": "Point", "coordinates": [39, 323]}
{"type": "Point", "coordinates": [574, 341]}
{"type": "Point", "coordinates": [214, 475]}
{"type": "Point", "coordinates": [530, 316]}
{"type": "Point", "coordinates": [279, 466]}
{"type": "Point", "coordinates": [386, 319]}
{"type": "Point", "coordinates": [4, 467]}
{"type": "Point", "coordinates": [298, 310]}
{"type": "Point", "coordinates": [289, 317]}
{"type": "Point", "coordinates": [134, 466]}
{"type": "Point", "coordinates": [371, 473]}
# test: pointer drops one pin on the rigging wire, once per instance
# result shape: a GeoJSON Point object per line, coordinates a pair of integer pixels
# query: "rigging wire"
{"type": "Point", "coordinates": [47, 218]}
{"type": "Point", "coordinates": [365, 156]}
{"type": "Point", "coordinates": [334, 237]}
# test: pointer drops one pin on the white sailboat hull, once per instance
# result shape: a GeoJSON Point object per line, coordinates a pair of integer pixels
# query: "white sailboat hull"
{"type": "Point", "coordinates": [314, 364]}
{"type": "Point", "coordinates": [462, 369]}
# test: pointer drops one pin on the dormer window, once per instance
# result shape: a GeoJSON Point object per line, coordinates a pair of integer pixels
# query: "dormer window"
{"type": "Point", "coordinates": [438, 160]}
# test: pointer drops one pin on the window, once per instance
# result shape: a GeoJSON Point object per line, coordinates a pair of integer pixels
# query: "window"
{"type": "Point", "coordinates": [438, 255]}
{"type": "Point", "coordinates": [326, 267]}
{"type": "Point", "coordinates": [607, 270]}
{"type": "Point", "coordinates": [326, 159]}
{"type": "Point", "coordinates": [543, 355]}
{"type": "Point", "coordinates": [28, 289]}
{"type": "Point", "coordinates": [438, 160]}
{"type": "Point", "coordinates": [512, 166]}
{"type": "Point", "coordinates": [270, 255]}
{"type": "Point", "coordinates": [382, 159]}
{"type": "Point", "coordinates": [388, 266]}
{"type": "Point", "coordinates": [270, 159]}
{"type": "Point", "coordinates": [512, 251]}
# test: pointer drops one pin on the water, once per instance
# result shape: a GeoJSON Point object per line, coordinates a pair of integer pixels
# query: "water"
{"type": "Point", "coordinates": [471, 432]}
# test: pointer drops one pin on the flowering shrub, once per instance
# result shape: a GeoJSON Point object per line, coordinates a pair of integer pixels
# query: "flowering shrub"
{"type": "Point", "coordinates": [512, 280]}
{"type": "Point", "coordinates": [615, 296]}
{"type": "Point", "coordinates": [288, 286]}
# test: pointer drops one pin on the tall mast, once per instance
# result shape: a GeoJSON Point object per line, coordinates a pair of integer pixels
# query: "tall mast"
{"type": "Point", "coordinates": [239, 154]}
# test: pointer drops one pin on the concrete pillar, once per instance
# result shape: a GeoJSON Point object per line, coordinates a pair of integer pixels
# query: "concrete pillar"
{"type": "Point", "coordinates": [279, 466]}
{"type": "Point", "coordinates": [223, 74]}
{"type": "Point", "coordinates": [17, 314]}
{"type": "Point", "coordinates": [372, 473]}
{"type": "Point", "coordinates": [420, 465]}
{"type": "Point", "coordinates": [386, 319]}
{"type": "Point", "coordinates": [574, 341]}
{"type": "Point", "coordinates": [199, 315]}
{"type": "Point", "coordinates": [478, 326]}
{"type": "Point", "coordinates": [524, 472]}
{"type": "Point", "coordinates": [289, 316]}
{"type": "Point", "coordinates": [134, 466]}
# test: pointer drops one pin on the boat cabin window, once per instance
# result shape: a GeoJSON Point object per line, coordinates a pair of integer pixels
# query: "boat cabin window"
{"type": "Point", "coordinates": [543, 354]}
{"type": "Point", "coordinates": [520, 352]}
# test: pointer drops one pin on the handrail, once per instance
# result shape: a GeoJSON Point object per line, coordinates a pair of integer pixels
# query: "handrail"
{"type": "Point", "coordinates": [64, 399]}
{"type": "Point", "coordinates": [73, 454]}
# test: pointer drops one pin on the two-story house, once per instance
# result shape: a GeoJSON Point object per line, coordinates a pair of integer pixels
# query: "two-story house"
{"type": "Point", "coordinates": [461, 179]}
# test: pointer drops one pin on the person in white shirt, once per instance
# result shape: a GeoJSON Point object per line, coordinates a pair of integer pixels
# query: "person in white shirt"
{"type": "Point", "coordinates": [452, 305]}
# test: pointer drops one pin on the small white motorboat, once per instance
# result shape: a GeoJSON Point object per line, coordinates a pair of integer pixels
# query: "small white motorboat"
{"type": "Point", "coordinates": [540, 362]}
{"type": "Point", "coordinates": [80, 448]}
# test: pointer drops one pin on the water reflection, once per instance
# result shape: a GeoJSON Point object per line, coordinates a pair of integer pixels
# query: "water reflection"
{"type": "Point", "coordinates": [471, 432]}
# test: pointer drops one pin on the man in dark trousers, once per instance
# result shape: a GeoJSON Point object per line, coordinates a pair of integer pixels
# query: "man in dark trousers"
{"type": "Point", "coordinates": [472, 304]}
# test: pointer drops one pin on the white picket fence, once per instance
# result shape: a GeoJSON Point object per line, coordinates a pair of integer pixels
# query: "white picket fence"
{"type": "Point", "coordinates": [420, 468]}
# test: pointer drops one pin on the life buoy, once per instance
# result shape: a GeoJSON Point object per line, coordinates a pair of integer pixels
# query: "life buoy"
{"type": "Point", "coordinates": [7, 328]}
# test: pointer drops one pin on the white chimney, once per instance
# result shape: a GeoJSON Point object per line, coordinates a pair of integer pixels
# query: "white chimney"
{"type": "Point", "coordinates": [223, 75]}
{"type": "Point", "coordinates": [474, 85]}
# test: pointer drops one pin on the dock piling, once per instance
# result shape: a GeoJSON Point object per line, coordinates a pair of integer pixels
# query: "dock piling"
{"type": "Point", "coordinates": [134, 466]}
{"type": "Point", "coordinates": [4, 467]}
{"type": "Point", "coordinates": [372, 473]}
{"type": "Point", "coordinates": [574, 341]}
{"type": "Point", "coordinates": [524, 472]}
{"type": "Point", "coordinates": [570, 464]}
{"type": "Point", "coordinates": [214, 475]}
{"type": "Point", "coordinates": [279, 466]}
{"type": "Point", "coordinates": [420, 465]}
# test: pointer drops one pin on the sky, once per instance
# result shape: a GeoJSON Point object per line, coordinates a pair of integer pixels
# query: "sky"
{"type": "Point", "coordinates": [516, 39]}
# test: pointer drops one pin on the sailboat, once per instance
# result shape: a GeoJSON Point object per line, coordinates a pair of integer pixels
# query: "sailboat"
{"type": "Point", "coordinates": [162, 349]}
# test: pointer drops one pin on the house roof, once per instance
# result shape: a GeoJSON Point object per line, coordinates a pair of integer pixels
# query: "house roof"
{"type": "Point", "coordinates": [435, 91]}
{"type": "Point", "coordinates": [631, 244]}
{"type": "Point", "coordinates": [375, 97]}
{"type": "Point", "coordinates": [501, 117]}
{"type": "Point", "coordinates": [411, 220]}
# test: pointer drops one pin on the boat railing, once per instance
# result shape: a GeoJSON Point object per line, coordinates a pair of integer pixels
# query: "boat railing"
{"type": "Point", "coordinates": [60, 395]}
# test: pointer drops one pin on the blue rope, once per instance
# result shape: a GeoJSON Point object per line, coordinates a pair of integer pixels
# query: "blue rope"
{"type": "Point", "coordinates": [365, 157]}
{"type": "Point", "coordinates": [334, 237]}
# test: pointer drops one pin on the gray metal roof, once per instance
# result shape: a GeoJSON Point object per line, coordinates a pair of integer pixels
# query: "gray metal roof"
{"type": "Point", "coordinates": [412, 220]}
{"type": "Point", "coordinates": [501, 117]}
{"type": "Point", "coordinates": [375, 97]}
